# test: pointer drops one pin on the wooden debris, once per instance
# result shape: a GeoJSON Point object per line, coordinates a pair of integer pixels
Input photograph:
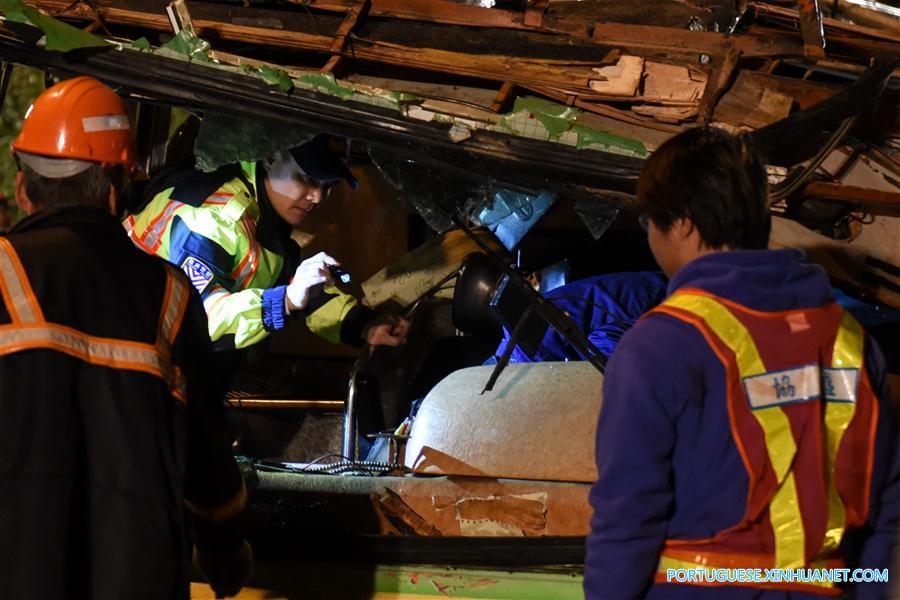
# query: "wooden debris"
{"type": "Point", "coordinates": [672, 84]}
{"type": "Point", "coordinates": [874, 201]}
{"type": "Point", "coordinates": [811, 29]}
{"type": "Point", "coordinates": [621, 79]}
{"type": "Point", "coordinates": [718, 82]}
{"type": "Point", "coordinates": [751, 103]}
{"type": "Point", "coordinates": [667, 114]}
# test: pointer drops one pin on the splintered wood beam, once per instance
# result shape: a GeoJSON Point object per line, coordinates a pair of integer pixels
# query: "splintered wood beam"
{"type": "Point", "coordinates": [811, 29]}
{"type": "Point", "coordinates": [699, 42]}
{"type": "Point", "coordinates": [534, 14]}
{"type": "Point", "coordinates": [718, 82]}
{"type": "Point", "coordinates": [453, 13]}
{"type": "Point", "coordinates": [180, 17]}
{"type": "Point", "coordinates": [332, 65]}
{"type": "Point", "coordinates": [875, 201]}
{"type": "Point", "coordinates": [353, 17]}
{"type": "Point", "coordinates": [112, 12]}
{"type": "Point", "coordinates": [792, 15]}
{"type": "Point", "coordinates": [503, 96]}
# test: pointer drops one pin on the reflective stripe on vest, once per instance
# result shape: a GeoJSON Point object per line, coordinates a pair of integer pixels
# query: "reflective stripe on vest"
{"type": "Point", "coordinates": [30, 331]}
{"type": "Point", "coordinates": [767, 394]}
{"type": "Point", "coordinates": [17, 294]}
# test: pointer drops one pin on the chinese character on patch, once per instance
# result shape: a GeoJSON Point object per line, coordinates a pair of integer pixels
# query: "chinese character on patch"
{"type": "Point", "coordinates": [784, 388]}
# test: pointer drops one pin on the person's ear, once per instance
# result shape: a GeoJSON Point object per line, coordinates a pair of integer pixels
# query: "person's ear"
{"type": "Point", "coordinates": [22, 200]}
{"type": "Point", "coordinates": [682, 228]}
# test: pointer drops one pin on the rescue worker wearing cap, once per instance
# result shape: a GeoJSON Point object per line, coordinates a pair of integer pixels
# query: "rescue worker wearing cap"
{"type": "Point", "coordinates": [230, 231]}
{"type": "Point", "coordinates": [746, 421]}
{"type": "Point", "coordinates": [110, 416]}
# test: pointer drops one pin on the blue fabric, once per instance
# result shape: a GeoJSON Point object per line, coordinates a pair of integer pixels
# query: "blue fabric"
{"type": "Point", "coordinates": [667, 464]}
{"type": "Point", "coordinates": [273, 309]}
{"type": "Point", "coordinates": [869, 314]}
{"type": "Point", "coordinates": [183, 242]}
{"type": "Point", "coordinates": [604, 307]}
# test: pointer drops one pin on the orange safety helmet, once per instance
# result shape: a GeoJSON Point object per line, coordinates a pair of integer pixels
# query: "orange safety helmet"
{"type": "Point", "coordinates": [79, 119]}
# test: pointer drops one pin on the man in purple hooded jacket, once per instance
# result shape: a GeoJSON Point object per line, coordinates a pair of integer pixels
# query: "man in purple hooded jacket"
{"type": "Point", "coordinates": [746, 422]}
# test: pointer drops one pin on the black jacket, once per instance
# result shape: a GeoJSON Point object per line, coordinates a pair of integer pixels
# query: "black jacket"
{"type": "Point", "coordinates": [95, 461]}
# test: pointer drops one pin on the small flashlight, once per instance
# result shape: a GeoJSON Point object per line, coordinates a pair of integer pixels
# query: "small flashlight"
{"type": "Point", "coordinates": [339, 274]}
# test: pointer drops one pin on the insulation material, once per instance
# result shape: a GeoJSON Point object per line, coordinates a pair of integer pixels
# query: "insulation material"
{"type": "Point", "coordinates": [505, 516]}
{"type": "Point", "coordinates": [460, 422]}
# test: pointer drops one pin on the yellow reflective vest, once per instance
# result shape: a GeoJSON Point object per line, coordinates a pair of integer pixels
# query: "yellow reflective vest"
{"type": "Point", "coordinates": [215, 240]}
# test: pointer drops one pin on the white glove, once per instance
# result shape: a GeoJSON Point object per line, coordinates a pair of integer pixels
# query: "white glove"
{"type": "Point", "coordinates": [311, 272]}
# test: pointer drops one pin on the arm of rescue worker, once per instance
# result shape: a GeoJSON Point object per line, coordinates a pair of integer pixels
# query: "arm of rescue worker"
{"type": "Point", "coordinates": [878, 540]}
{"type": "Point", "coordinates": [214, 489]}
{"type": "Point", "coordinates": [336, 316]}
{"type": "Point", "coordinates": [241, 318]}
{"type": "Point", "coordinates": [633, 495]}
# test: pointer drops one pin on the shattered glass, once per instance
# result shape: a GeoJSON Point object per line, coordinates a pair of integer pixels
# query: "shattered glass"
{"type": "Point", "coordinates": [513, 214]}
{"type": "Point", "coordinates": [225, 140]}
{"type": "Point", "coordinates": [597, 216]}
{"type": "Point", "coordinates": [433, 193]}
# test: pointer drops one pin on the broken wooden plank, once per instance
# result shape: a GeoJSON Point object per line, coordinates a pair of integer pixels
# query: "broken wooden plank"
{"type": "Point", "coordinates": [750, 103]}
{"type": "Point", "coordinates": [875, 201]}
{"type": "Point", "coordinates": [454, 13]}
{"type": "Point", "coordinates": [358, 12]}
{"type": "Point", "coordinates": [811, 29]}
{"type": "Point", "coordinates": [503, 96]}
{"type": "Point", "coordinates": [771, 10]}
{"type": "Point", "coordinates": [534, 14]}
{"type": "Point", "coordinates": [666, 83]}
{"type": "Point", "coordinates": [621, 79]}
{"type": "Point", "coordinates": [718, 82]}
{"type": "Point", "coordinates": [401, 515]}
{"type": "Point", "coordinates": [666, 114]}
{"type": "Point", "coordinates": [697, 42]}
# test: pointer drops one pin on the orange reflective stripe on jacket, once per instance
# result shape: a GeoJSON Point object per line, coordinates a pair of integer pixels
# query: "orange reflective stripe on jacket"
{"type": "Point", "coordinates": [796, 515]}
{"type": "Point", "coordinates": [30, 331]}
{"type": "Point", "coordinates": [17, 294]}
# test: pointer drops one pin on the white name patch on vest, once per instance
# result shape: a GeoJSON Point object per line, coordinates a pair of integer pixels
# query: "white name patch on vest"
{"type": "Point", "coordinates": [197, 271]}
{"type": "Point", "coordinates": [783, 387]}
{"type": "Point", "coordinates": [840, 384]}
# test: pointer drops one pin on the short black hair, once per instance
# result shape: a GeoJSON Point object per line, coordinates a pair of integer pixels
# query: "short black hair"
{"type": "Point", "coordinates": [88, 188]}
{"type": "Point", "coordinates": [714, 179]}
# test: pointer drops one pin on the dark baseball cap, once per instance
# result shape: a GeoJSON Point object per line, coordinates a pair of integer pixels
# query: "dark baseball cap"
{"type": "Point", "coordinates": [319, 161]}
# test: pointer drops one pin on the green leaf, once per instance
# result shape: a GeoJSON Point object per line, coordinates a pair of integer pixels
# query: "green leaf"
{"type": "Point", "coordinates": [189, 45]}
{"type": "Point", "coordinates": [141, 44]}
{"type": "Point", "coordinates": [588, 136]}
{"type": "Point", "coordinates": [12, 10]}
{"type": "Point", "coordinates": [60, 37]}
{"type": "Point", "coordinates": [327, 83]}
{"type": "Point", "coordinates": [276, 77]}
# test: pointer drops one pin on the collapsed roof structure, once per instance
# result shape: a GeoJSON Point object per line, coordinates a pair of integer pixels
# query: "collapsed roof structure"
{"type": "Point", "coordinates": [568, 96]}
{"type": "Point", "coordinates": [454, 100]}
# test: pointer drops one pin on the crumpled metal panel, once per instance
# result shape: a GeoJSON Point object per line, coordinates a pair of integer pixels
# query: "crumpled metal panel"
{"type": "Point", "coordinates": [539, 422]}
